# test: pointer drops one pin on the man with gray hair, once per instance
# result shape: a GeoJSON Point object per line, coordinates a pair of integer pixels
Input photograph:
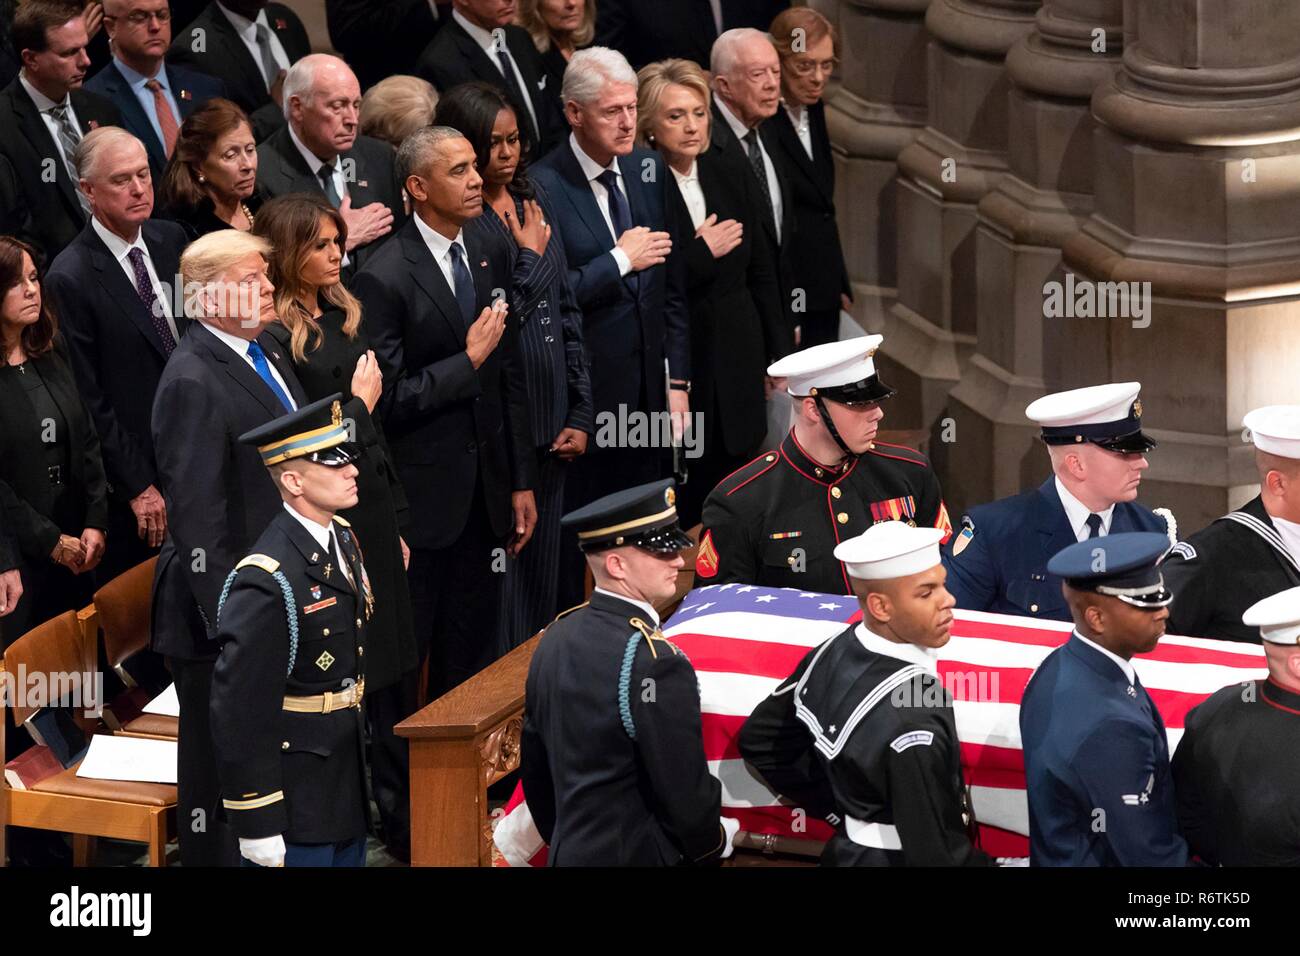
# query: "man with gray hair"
{"type": "Point", "coordinates": [321, 150]}
{"type": "Point", "coordinates": [113, 287]}
{"type": "Point", "coordinates": [609, 199]}
{"type": "Point", "coordinates": [455, 402]}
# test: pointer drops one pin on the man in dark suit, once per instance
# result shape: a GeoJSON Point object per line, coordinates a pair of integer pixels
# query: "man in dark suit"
{"type": "Point", "coordinates": [249, 45]}
{"type": "Point", "coordinates": [115, 289]}
{"type": "Point", "coordinates": [154, 99]}
{"type": "Point", "coordinates": [225, 378]}
{"type": "Point", "coordinates": [998, 561]}
{"type": "Point", "coordinates": [381, 39]}
{"type": "Point", "coordinates": [482, 43]}
{"type": "Point", "coordinates": [44, 114]}
{"type": "Point", "coordinates": [610, 202]}
{"type": "Point", "coordinates": [320, 150]}
{"type": "Point", "coordinates": [454, 403]}
{"type": "Point", "coordinates": [647, 32]}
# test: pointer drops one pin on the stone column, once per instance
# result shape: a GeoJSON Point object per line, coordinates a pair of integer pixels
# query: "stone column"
{"type": "Point", "coordinates": [1197, 184]}
{"type": "Point", "coordinates": [1022, 223]}
{"type": "Point", "coordinates": [955, 161]}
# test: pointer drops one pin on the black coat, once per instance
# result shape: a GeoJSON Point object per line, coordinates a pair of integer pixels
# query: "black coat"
{"type": "Point", "coordinates": [599, 795]}
{"type": "Point", "coordinates": [451, 427]}
{"type": "Point", "coordinates": [817, 259]}
{"type": "Point", "coordinates": [115, 349]}
{"type": "Point", "coordinates": [55, 214]}
{"type": "Point", "coordinates": [381, 508]}
{"type": "Point", "coordinates": [297, 774]}
{"type": "Point", "coordinates": [371, 176]}
{"type": "Point", "coordinates": [224, 56]}
{"type": "Point", "coordinates": [647, 32]}
{"type": "Point", "coordinates": [219, 495]}
{"type": "Point", "coordinates": [630, 324]}
{"type": "Point", "coordinates": [1221, 570]}
{"type": "Point", "coordinates": [190, 88]}
{"type": "Point", "coordinates": [737, 325]}
{"type": "Point", "coordinates": [198, 221]}
{"type": "Point", "coordinates": [454, 57]}
{"type": "Point", "coordinates": [380, 40]}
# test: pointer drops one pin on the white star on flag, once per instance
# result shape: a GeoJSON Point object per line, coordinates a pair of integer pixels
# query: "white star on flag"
{"type": "Point", "coordinates": [746, 589]}
{"type": "Point", "coordinates": [827, 607]}
{"type": "Point", "coordinates": [808, 594]}
{"type": "Point", "coordinates": [765, 598]}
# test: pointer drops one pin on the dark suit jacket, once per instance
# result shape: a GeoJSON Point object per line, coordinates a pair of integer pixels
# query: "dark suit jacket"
{"type": "Point", "coordinates": [373, 178]}
{"type": "Point", "coordinates": [817, 259]}
{"type": "Point", "coordinates": [29, 503]}
{"type": "Point", "coordinates": [380, 39]}
{"type": "Point", "coordinates": [115, 350]}
{"type": "Point", "coordinates": [737, 324]}
{"type": "Point", "coordinates": [190, 88]}
{"type": "Point", "coordinates": [648, 32]}
{"type": "Point", "coordinates": [631, 323]}
{"type": "Point", "coordinates": [220, 497]}
{"type": "Point", "coordinates": [56, 215]}
{"type": "Point", "coordinates": [454, 57]}
{"type": "Point", "coordinates": [225, 57]}
{"type": "Point", "coordinates": [450, 426]}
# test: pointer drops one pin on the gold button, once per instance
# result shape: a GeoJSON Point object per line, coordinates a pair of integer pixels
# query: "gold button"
{"type": "Point", "coordinates": [361, 652]}
{"type": "Point", "coordinates": [842, 517]}
{"type": "Point", "coordinates": [819, 472]}
{"type": "Point", "coordinates": [326, 632]}
{"type": "Point", "coordinates": [770, 458]}
{"type": "Point", "coordinates": [1034, 608]}
{"type": "Point", "coordinates": [790, 560]}
{"type": "Point", "coordinates": [358, 623]}
{"type": "Point", "coordinates": [285, 745]}
{"type": "Point", "coordinates": [870, 445]}
{"type": "Point", "coordinates": [835, 492]}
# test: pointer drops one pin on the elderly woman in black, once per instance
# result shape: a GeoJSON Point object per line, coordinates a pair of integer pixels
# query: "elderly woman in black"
{"type": "Point", "coordinates": [210, 182]}
{"type": "Point", "coordinates": [55, 495]}
{"type": "Point", "coordinates": [559, 385]}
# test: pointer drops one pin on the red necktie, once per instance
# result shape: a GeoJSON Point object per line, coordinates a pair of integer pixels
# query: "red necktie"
{"type": "Point", "coordinates": [166, 119]}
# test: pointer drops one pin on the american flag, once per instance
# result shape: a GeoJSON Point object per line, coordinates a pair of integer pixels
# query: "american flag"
{"type": "Point", "coordinates": [744, 640]}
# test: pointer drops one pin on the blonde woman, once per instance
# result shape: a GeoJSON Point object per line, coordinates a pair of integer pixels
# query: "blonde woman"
{"type": "Point", "coordinates": [320, 330]}
{"type": "Point", "coordinates": [559, 28]}
{"type": "Point", "coordinates": [396, 107]}
{"type": "Point", "coordinates": [737, 323]}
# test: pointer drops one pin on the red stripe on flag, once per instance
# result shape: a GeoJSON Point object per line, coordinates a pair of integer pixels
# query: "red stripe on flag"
{"type": "Point", "coordinates": [997, 842]}
{"type": "Point", "coordinates": [720, 734]}
{"type": "Point", "coordinates": [780, 820]}
{"type": "Point", "coordinates": [709, 652]}
{"type": "Point", "coordinates": [980, 683]}
{"type": "Point", "coordinates": [1008, 761]}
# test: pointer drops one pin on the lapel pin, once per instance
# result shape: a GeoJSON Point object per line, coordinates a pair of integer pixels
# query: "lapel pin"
{"type": "Point", "coordinates": [281, 23]}
{"type": "Point", "coordinates": [364, 184]}
{"type": "Point", "coordinates": [483, 264]}
{"type": "Point", "coordinates": [186, 95]}
{"type": "Point", "coordinates": [93, 124]}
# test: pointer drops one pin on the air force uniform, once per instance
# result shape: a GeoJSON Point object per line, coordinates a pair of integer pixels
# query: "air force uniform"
{"type": "Point", "coordinates": [863, 735]}
{"type": "Point", "coordinates": [776, 521]}
{"type": "Point", "coordinates": [1237, 768]}
{"type": "Point", "coordinates": [612, 757]}
{"type": "Point", "coordinates": [1095, 749]}
{"type": "Point", "coordinates": [998, 560]}
{"type": "Point", "coordinates": [1241, 558]}
{"type": "Point", "coordinates": [288, 686]}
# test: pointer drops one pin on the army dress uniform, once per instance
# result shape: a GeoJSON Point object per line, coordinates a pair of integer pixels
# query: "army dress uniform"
{"type": "Point", "coordinates": [287, 692]}
{"type": "Point", "coordinates": [1095, 749]}
{"type": "Point", "coordinates": [1237, 769]}
{"type": "Point", "coordinates": [612, 757]}
{"type": "Point", "coordinates": [997, 560]}
{"type": "Point", "coordinates": [776, 521]}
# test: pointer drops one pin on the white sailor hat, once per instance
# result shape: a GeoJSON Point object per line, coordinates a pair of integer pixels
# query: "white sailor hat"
{"type": "Point", "coordinates": [890, 549]}
{"type": "Point", "coordinates": [1106, 415]}
{"type": "Point", "coordinates": [841, 371]}
{"type": "Point", "coordinates": [1275, 429]}
{"type": "Point", "coordinates": [1277, 617]}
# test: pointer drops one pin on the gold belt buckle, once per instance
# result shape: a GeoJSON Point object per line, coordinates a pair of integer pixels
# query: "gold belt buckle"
{"type": "Point", "coordinates": [329, 702]}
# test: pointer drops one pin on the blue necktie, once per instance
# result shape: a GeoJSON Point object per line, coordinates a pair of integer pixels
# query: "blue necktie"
{"type": "Point", "coordinates": [465, 294]}
{"type": "Point", "coordinates": [619, 214]}
{"type": "Point", "coordinates": [264, 372]}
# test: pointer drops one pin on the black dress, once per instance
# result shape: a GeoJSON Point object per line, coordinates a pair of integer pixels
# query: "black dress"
{"type": "Point", "coordinates": [202, 219]}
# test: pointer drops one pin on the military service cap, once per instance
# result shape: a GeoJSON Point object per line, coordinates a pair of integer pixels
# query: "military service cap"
{"type": "Point", "coordinates": [644, 516]}
{"type": "Point", "coordinates": [841, 371]}
{"type": "Point", "coordinates": [1277, 617]}
{"type": "Point", "coordinates": [1124, 565]}
{"type": "Point", "coordinates": [315, 432]}
{"type": "Point", "coordinates": [1275, 429]}
{"type": "Point", "coordinates": [1105, 415]}
{"type": "Point", "coordinates": [890, 549]}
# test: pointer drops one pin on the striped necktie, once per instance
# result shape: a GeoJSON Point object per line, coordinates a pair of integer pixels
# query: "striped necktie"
{"type": "Point", "coordinates": [69, 138]}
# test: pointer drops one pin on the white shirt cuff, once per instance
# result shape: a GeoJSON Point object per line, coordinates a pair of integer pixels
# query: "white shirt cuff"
{"type": "Point", "coordinates": [624, 263]}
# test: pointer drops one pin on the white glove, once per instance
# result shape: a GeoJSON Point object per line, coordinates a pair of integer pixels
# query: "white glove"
{"type": "Point", "coordinates": [730, 827]}
{"type": "Point", "coordinates": [266, 851]}
{"type": "Point", "coordinates": [1013, 861]}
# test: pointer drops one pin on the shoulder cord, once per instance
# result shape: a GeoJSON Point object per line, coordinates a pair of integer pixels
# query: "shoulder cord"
{"type": "Point", "coordinates": [625, 685]}
{"type": "Point", "coordinates": [291, 608]}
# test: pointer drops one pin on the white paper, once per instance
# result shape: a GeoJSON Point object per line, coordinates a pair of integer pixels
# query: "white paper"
{"type": "Point", "coordinates": [131, 759]}
{"type": "Point", "coordinates": [166, 704]}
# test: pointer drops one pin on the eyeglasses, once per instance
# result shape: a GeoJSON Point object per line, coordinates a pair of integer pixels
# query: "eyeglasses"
{"type": "Point", "coordinates": [138, 18]}
{"type": "Point", "coordinates": [807, 67]}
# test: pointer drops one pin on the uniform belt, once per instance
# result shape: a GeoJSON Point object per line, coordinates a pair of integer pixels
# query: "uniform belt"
{"type": "Point", "coordinates": [327, 702]}
{"type": "Point", "coordinates": [881, 836]}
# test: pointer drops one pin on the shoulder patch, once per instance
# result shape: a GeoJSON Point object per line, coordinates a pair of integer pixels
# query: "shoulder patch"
{"type": "Point", "coordinates": [706, 558]}
{"type": "Point", "coordinates": [964, 536]}
{"type": "Point", "coordinates": [1184, 550]}
{"type": "Point", "coordinates": [913, 738]}
{"type": "Point", "coordinates": [263, 561]}
{"type": "Point", "coordinates": [747, 473]}
{"type": "Point", "coordinates": [343, 521]}
{"type": "Point", "coordinates": [899, 453]}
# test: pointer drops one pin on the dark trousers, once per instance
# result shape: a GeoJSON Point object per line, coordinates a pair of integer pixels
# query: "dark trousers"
{"type": "Point", "coordinates": [819, 327]}
{"type": "Point", "coordinates": [205, 840]}
{"type": "Point", "coordinates": [348, 853]}
{"type": "Point", "coordinates": [125, 549]}
{"type": "Point", "coordinates": [390, 768]}
{"type": "Point", "coordinates": [456, 601]}
{"type": "Point", "coordinates": [529, 595]}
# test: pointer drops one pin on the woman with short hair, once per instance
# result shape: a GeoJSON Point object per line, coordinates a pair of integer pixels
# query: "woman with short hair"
{"type": "Point", "coordinates": [396, 107]}
{"type": "Point", "coordinates": [559, 29]}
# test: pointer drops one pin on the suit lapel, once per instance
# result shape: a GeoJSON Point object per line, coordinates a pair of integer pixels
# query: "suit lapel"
{"type": "Point", "coordinates": [184, 94]}
{"type": "Point", "coordinates": [1053, 526]}
{"type": "Point", "coordinates": [167, 263]}
{"type": "Point", "coordinates": [276, 356]}
{"type": "Point", "coordinates": [583, 200]}
{"type": "Point", "coordinates": [119, 290]}
{"type": "Point", "coordinates": [133, 114]}
{"type": "Point", "coordinates": [236, 51]}
{"type": "Point", "coordinates": [428, 276]}
{"type": "Point", "coordinates": [33, 128]}
{"type": "Point", "coordinates": [316, 557]}
{"type": "Point", "coordinates": [725, 139]}
{"type": "Point", "coordinates": [239, 370]}
{"type": "Point", "coordinates": [787, 141]}
{"type": "Point", "coordinates": [479, 265]}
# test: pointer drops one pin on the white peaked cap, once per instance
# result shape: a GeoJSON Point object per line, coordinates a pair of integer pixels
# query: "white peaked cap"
{"type": "Point", "coordinates": [890, 549]}
{"type": "Point", "coordinates": [1277, 617]}
{"type": "Point", "coordinates": [1094, 405]}
{"type": "Point", "coordinates": [1275, 429]}
{"type": "Point", "coordinates": [828, 365]}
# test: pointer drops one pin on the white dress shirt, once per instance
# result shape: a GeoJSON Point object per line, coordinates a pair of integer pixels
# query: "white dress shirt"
{"type": "Point", "coordinates": [321, 535]}
{"type": "Point", "coordinates": [591, 169]}
{"type": "Point", "coordinates": [1125, 666]}
{"type": "Point", "coordinates": [44, 104]}
{"type": "Point", "coordinates": [440, 246]}
{"type": "Point", "coordinates": [247, 31]}
{"type": "Point", "coordinates": [773, 184]}
{"type": "Point", "coordinates": [487, 42]}
{"type": "Point", "coordinates": [652, 616]}
{"type": "Point", "coordinates": [926, 657]}
{"type": "Point", "coordinates": [799, 117]}
{"type": "Point", "coordinates": [1290, 532]}
{"type": "Point", "coordinates": [314, 163]}
{"type": "Point", "coordinates": [144, 96]}
{"type": "Point", "coordinates": [692, 194]}
{"type": "Point", "coordinates": [119, 249]}
{"type": "Point", "coordinates": [1077, 514]}
{"type": "Point", "coordinates": [240, 347]}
